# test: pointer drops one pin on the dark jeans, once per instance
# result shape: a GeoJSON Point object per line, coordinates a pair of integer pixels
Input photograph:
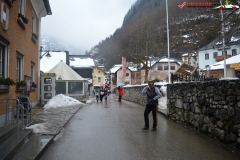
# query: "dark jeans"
{"type": "Point", "coordinates": [101, 97]}
{"type": "Point", "coordinates": [119, 98]}
{"type": "Point", "coordinates": [148, 109]}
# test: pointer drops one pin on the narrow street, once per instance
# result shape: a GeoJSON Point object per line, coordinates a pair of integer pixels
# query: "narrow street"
{"type": "Point", "coordinates": [112, 131]}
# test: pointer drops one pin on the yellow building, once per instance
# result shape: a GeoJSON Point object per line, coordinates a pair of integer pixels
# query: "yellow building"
{"type": "Point", "coordinates": [98, 76]}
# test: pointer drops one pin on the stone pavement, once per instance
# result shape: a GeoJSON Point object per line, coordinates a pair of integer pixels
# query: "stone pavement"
{"type": "Point", "coordinates": [53, 119]}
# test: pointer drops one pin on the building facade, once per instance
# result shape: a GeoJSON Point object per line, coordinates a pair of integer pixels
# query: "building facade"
{"type": "Point", "coordinates": [19, 47]}
{"type": "Point", "coordinates": [213, 52]}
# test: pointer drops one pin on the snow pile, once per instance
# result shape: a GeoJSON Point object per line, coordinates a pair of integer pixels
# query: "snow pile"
{"type": "Point", "coordinates": [38, 128]}
{"type": "Point", "coordinates": [61, 100]}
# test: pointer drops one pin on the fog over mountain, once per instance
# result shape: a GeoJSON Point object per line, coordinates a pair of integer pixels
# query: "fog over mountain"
{"type": "Point", "coordinates": [53, 44]}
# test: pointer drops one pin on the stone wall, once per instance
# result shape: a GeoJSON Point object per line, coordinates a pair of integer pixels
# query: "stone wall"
{"type": "Point", "coordinates": [134, 94]}
{"type": "Point", "coordinates": [212, 108]}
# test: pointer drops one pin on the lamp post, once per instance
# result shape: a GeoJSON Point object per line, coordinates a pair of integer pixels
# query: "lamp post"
{"type": "Point", "coordinates": [47, 54]}
{"type": "Point", "coordinates": [168, 42]}
{"type": "Point", "coordinates": [223, 41]}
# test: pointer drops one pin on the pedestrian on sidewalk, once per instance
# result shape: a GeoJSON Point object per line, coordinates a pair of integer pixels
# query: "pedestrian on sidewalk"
{"type": "Point", "coordinates": [97, 93]}
{"type": "Point", "coordinates": [101, 94]}
{"type": "Point", "coordinates": [153, 94]}
{"type": "Point", "coordinates": [120, 93]}
{"type": "Point", "coordinates": [105, 94]}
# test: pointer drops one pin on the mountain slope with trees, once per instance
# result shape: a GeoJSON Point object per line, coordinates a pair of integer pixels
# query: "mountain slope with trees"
{"type": "Point", "coordinates": [144, 31]}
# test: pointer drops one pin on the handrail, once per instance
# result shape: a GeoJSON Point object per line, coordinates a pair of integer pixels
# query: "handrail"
{"type": "Point", "coordinates": [25, 112]}
{"type": "Point", "coordinates": [7, 111]}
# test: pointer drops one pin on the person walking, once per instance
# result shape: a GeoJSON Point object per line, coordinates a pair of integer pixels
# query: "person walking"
{"type": "Point", "coordinates": [101, 94]}
{"type": "Point", "coordinates": [105, 94]}
{"type": "Point", "coordinates": [120, 93]}
{"type": "Point", "coordinates": [97, 93]}
{"type": "Point", "coordinates": [153, 94]}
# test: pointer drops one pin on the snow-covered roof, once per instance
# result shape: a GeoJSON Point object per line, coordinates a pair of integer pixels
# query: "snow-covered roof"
{"type": "Point", "coordinates": [132, 69]}
{"type": "Point", "coordinates": [82, 62]}
{"type": "Point", "coordinates": [115, 68]}
{"type": "Point", "coordinates": [64, 72]}
{"type": "Point", "coordinates": [220, 65]}
{"type": "Point", "coordinates": [165, 59]}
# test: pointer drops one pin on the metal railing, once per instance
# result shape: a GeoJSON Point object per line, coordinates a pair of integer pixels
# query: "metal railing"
{"type": "Point", "coordinates": [19, 113]}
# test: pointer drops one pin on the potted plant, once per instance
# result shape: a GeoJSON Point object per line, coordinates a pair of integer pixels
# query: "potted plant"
{"type": "Point", "coordinates": [35, 35]}
{"type": "Point", "coordinates": [21, 85]}
{"type": "Point", "coordinates": [6, 82]}
{"type": "Point", "coordinates": [34, 85]}
{"type": "Point", "coordinates": [24, 19]}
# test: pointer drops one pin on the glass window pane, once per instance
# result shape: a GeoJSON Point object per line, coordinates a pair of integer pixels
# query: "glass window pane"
{"type": "Point", "coordinates": [47, 88]}
{"type": "Point", "coordinates": [61, 88]}
{"type": "Point", "coordinates": [75, 87]}
{"type": "Point", "coordinates": [47, 80]}
{"type": "Point", "coordinates": [47, 95]}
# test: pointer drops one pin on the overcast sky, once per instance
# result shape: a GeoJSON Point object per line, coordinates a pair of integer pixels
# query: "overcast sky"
{"type": "Point", "coordinates": [84, 23]}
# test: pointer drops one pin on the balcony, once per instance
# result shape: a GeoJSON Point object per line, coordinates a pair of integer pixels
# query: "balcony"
{"type": "Point", "coordinates": [221, 58]}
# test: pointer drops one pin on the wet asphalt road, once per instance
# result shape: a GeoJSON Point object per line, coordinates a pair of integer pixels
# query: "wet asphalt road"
{"type": "Point", "coordinates": [112, 131]}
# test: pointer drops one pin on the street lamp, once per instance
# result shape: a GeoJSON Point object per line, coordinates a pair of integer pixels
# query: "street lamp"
{"type": "Point", "coordinates": [47, 54]}
{"type": "Point", "coordinates": [168, 42]}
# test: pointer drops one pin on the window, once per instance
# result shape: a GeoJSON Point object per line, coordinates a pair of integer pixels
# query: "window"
{"type": "Point", "coordinates": [34, 24]}
{"type": "Point", "coordinates": [34, 35]}
{"type": "Point", "coordinates": [75, 87]}
{"type": "Point", "coordinates": [32, 71]}
{"type": "Point", "coordinates": [172, 67]}
{"type": "Point", "coordinates": [225, 53]}
{"type": "Point", "coordinates": [98, 71]}
{"type": "Point", "coordinates": [234, 52]}
{"type": "Point", "coordinates": [1, 62]}
{"type": "Point", "coordinates": [99, 79]}
{"type": "Point", "coordinates": [3, 56]}
{"type": "Point", "coordinates": [160, 68]}
{"type": "Point", "coordinates": [22, 5]}
{"type": "Point", "coordinates": [165, 67]}
{"type": "Point", "coordinates": [206, 56]}
{"type": "Point", "coordinates": [127, 74]}
{"type": "Point", "coordinates": [19, 67]}
{"type": "Point", "coordinates": [215, 54]}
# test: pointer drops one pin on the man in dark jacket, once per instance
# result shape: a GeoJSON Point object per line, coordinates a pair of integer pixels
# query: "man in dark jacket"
{"type": "Point", "coordinates": [153, 94]}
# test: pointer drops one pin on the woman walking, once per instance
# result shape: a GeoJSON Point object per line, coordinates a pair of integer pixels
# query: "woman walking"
{"type": "Point", "coordinates": [120, 93]}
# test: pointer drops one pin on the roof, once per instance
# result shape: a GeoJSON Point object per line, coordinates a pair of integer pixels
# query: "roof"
{"type": "Point", "coordinates": [186, 69]}
{"type": "Point", "coordinates": [220, 65]}
{"type": "Point", "coordinates": [101, 69]}
{"type": "Point", "coordinates": [64, 72]}
{"type": "Point", "coordinates": [81, 62]}
{"type": "Point", "coordinates": [115, 68]}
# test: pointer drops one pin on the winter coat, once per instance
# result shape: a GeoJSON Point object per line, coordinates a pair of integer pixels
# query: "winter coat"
{"type": "Point", "coordinates": [152, 94]}
{"type": "Point", "coordinates": [120, 91]}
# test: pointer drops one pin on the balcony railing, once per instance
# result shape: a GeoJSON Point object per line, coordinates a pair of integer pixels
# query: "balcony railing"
{"type": "Point", "coordinates": [220, 58]}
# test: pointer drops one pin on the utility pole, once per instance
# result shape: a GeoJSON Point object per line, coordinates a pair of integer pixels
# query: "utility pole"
{"type": "Point", "coordinates": [223, 41]}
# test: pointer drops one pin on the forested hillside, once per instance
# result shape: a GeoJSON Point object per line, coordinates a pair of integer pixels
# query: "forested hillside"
{"type": "Point", "coordinates": [144, 31]}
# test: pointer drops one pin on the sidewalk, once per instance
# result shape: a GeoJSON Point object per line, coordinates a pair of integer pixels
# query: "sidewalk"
{"type": "Point", "coordinates": [51, 121]}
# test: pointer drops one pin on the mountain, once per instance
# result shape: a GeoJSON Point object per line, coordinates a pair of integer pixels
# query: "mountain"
{"type": "Point", "coordinates": [144, 31]}
{"type": "Point", "coordinates": [53, 44]}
